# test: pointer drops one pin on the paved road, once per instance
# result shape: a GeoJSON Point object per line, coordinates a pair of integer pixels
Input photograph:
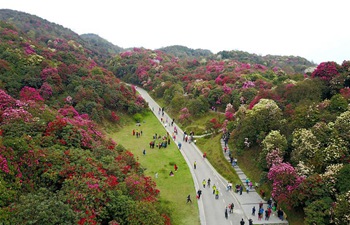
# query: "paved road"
{"type": "Point", "coordinates": [211, 210]}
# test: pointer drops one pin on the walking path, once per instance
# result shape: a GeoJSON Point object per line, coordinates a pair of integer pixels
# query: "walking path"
{"type": "Point", "coordinates": [211, 210]}
{"type": "Point", "coordinates": [248, 200]}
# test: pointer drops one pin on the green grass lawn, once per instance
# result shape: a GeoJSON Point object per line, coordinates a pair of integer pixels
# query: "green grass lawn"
{"type": "Point", "coordinates": [173, 190]}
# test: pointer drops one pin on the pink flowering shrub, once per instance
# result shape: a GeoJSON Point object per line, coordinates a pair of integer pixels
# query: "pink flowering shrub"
{"type": "Point", "coordinates": [45, 90]}
{"type": "Point", "coordinates": [3, 164]}
{"type": "Point", "coordinates": [326, 71]}
{"type": "Point", "coordinates": [274, 158]}
{"type": "Point", "coordinates": [184, 114]}
{"type": "Point", "coordinates": [284, 180]}
{"type": "Point", "coordinates": [6, 100]}
{"type": "Point", "coordinates": [345, 92]}
{"type": "Point", "coordinates": [28, 49]}
{"type": "Point", "coordinates": [248, 84]}
{"type": "Point", "coordinates": [29, 93]}
{"type": "Point", "coordinates": [229, 112]}
{"type": "Point", "coordinates": [48, 72]}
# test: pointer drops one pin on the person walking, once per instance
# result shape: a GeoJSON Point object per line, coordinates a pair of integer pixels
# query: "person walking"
{"type": "Point", "coordinates": [253, 211]}
{"type": "Point", "coordinates": [226, 213]}
{"type": "Point", "coordinates": [242, 222]}
{"type": "Point", "coordinates": [175, 168]}
{"type": "Point", "coordinates": [216, 193]}
{"type": "Point", "coordinates": [250, 222]}
{"type": "Point", "coordinates": [195, 165]}
{"type": "Point", "coordinates": [231, 207]}
{"type": "Point", "coordinates": [214, 189]}
{"type": "Point", "coordinates": [208, 182]}
{"type": "Point", "coordinates": [241, 190]}
{"type": "Point", "coordinates": [199, 193]}
{"type": "Point", "coordinates": [203, 183]}
{"type": "Point", "coordinates": [189, 199]}
{"type": "Point", "coordinates": [144, 152]}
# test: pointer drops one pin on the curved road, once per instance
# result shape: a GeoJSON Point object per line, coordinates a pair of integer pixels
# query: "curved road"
{"type": "Point", "coordinates": [211, 210]}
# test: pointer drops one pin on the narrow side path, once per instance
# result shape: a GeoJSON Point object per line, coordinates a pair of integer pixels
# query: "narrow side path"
{"type": "Point", "coordinates": [251, 199]}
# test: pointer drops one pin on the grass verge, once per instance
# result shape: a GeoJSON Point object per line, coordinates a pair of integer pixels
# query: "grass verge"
{"type": "Point", "coordinates": [213, 148]}
{"type": "Point", "coordinates": [173, 190]}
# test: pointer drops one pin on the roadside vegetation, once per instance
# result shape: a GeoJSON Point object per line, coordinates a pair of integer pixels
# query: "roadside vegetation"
{"type": "Point", "coordinates": [173, 189]}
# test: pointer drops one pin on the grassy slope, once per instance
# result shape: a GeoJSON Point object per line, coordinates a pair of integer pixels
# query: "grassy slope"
{"type": "Point", "coordinates": [212, 147]}
{"type": "Point", "coordinates": [173, 190]}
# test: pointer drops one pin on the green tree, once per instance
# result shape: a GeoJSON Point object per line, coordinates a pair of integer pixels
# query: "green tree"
{"type": "Point", "coordinates": [338, 104]}
{"type": "Point", "coordinates": [42, 207]}
{"type": "Point", "coordinates": [318, 212]}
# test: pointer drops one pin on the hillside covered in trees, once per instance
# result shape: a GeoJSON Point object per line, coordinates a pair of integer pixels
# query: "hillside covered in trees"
{"type": "Point", "coordinates": [56, 165]}
{"type": "Point", "coordinates": [298, 124]}
{"type": "Point", "coordinates": [55, 85]}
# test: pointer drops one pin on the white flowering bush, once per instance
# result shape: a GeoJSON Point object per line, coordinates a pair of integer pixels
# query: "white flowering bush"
{"type": "Point", "coordinates": [334, 151]}
{"type": "Point", "coordinates": [342, 126]}
{"type": "Point", "coordinates": [306, 146]}
{"type": "Point", "coordinates": [274, 140]}
{"type": "Point", "coordinates": [342, 209]}
{"type": "Point", "coordinates": [304, 170]}
{"type": "Point", "coordinates": [330, 177]}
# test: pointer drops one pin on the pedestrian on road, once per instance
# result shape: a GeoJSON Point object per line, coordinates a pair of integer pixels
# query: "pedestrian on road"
{"type": "Point", "coordinates": [214, 189]}
{"type": "Point", "coordinates": [217, 193]}
{"type": "Point", "coordinates": [226, 213]}
{"type": "Point", "coordinates": [195, 165]}
{"type": "Point", "coordinates": [189, 199]}
{"type": "Point", "coordinates": [231, 207]}
{"type": "Point", "coordinates": [261, 204]}
{"type": "Point", "coordinates": [242, 222]}
{"type": "Point", "coordinates": [280, 214]}
{"type": "Point", "coordinates": [208, 182]}
{"type": "Point", "coordinates": [261, 213]}
{"type": "Point", "coordinates": [250, 222]}
{"type": "Point", "coordinates": [199, 193]}
{"type": "Point", "coordinates": [266, 215]}
{"type": "Point", "coordinates": [241, 190]}
{"type": "Point", "coordinates": [203, 182]}
{"type": "Point", "coordinates": [253, 211]}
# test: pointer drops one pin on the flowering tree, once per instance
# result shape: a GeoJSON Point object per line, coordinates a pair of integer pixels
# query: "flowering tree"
{"type": "Point", "coordinates": [342, 209]}
{"type": "Point", "coordinates": [306, 147]}
{"type": "Point", "coordinates": [342, 127]}
{"type": "Point", "coordinates": [229, 112]}
{"type": "Point", "coordinates": [28, 93]}
{"type": "Point", "coordinates": [326, 71]}
{"type": "Point", "coordinates": [184, 115]}
{"type": "Point", "coordinates": [284, 181]}
{"type": "Point", "coordinates": [273, 141]}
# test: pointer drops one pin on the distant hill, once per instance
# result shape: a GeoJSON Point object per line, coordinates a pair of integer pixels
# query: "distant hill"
{"type": "Point", "coordinates": [43, 31]}
{"type": "Point", "coordinates": [101, 43]}
{"type": "Point", "coordinates": [290, 64]}
{"type": "Point", "coordinates": [185, 52]}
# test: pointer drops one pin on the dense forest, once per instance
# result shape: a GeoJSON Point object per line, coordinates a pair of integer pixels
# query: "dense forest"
{"type": "Point", "coordinates": [56, 85]}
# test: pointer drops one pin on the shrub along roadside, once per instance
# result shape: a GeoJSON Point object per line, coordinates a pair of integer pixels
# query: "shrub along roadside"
{"type": "Point", "coordinates": [173, 190]}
